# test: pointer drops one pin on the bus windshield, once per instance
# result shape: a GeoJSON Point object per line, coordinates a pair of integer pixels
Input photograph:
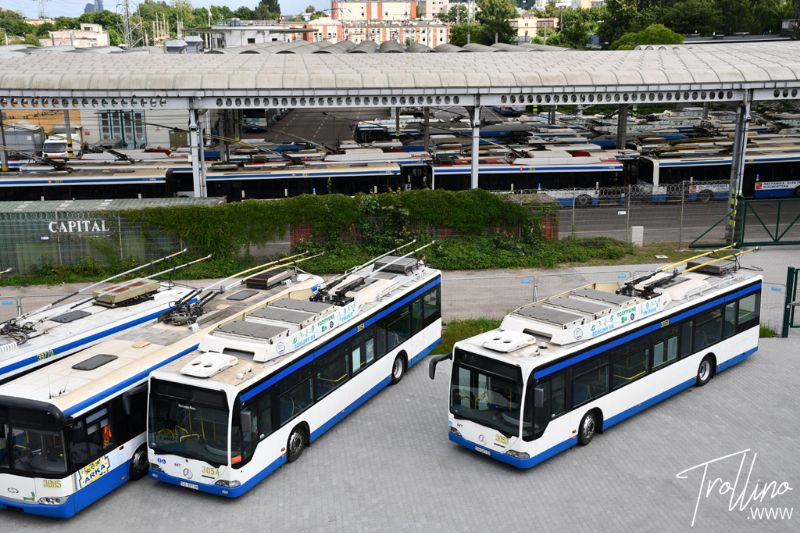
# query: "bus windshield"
{"type": "Point", "coordinates": [486, 392]}
{"type": "Point", "coordinates": [31, 451]}
{"type": "Point", "coordinates": [189, 422]}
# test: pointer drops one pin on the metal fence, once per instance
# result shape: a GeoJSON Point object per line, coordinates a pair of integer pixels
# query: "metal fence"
{"type": "Point", "coordinates": [675, 213]}
{"type": "Point", "coordinates": [36, 240]}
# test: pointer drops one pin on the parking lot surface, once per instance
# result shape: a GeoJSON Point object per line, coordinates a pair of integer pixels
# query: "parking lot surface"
{"type": "Point", "coordinates": [390, 467]}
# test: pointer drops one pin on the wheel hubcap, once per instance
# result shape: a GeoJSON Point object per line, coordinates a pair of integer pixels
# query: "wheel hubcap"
{"type": "Point", "coordinates": [588, 427]}
{"type": "Point", "coordinates": [705, 368]}
{"type": "Point", "coordinates": [297, 443]}
{"type": "Point", "coordinates": [398, 368]}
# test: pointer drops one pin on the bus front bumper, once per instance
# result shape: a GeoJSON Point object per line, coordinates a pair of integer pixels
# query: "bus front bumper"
{"type": "Point", "coordinates": [509, 459]}
{"type": "Point", "coordinates": [62, 510]}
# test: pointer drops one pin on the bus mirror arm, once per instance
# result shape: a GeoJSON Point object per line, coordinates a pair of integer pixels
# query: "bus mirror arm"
{"type": "Point", "coordinates": [435, 361]}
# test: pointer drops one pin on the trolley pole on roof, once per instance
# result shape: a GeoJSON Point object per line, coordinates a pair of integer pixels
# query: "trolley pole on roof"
{"type": "Point", "coordinates": [737, 165]}
{"type": "Point", "coordinates": [196, 143]}
{"type": "Point", "coordinates": [476, 138]}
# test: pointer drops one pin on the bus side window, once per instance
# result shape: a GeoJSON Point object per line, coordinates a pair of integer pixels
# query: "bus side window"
{"type": "Point", "coordinates": [708, 329]}
{"type": "Point", "coordinates": [665, 349]}
{"type": "Point", "coordinates": [137, 419]}
{"type": "Point", "coordinates": [729, 320]}
{"type": "Point", "coordinates": [686, 338]}
{"type": "Point", "coordinates": [399, 328]}
{"type": "Point", "coordinates": [417, 322]}
{"type": "Point", "coordinates": [431, 305]}
{"type": "Point", "coordinates": [748, 312]}
{"type": "Point", "coordinates": [264, 415]}
{"type": "Point", "coordinates": [589, 380]}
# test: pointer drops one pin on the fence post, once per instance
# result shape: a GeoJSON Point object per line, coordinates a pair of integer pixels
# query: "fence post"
{"type": "Point", "coordinates": [119, 235]}
{"type": "Point", "coordinates": [628, 216]}
{"type": "Point", "coordinates": [574, 192]}
{"type": "Point", "coordinates": [683, 203]}
{"type": "Point", "coordinates": [788, 307]}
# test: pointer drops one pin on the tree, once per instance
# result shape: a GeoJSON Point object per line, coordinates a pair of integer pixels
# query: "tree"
{"type": "Point", "coordinates": [31, 39]}
{"type": "Point", "coordinates": [578, 25]}
{"type": "Point", "coordinates": [653, 34]}
{"type": "Point", "coordinates": [244, 13]}
{"type": "Point", "coordinates": [691, 16]}
{"type": "Point", "coordinates": [457, 14]}
{"type": "Point", "coordinates": [311, 9]}
{"type": "Point", "coordinates": [462, 33]}
{"type": "Point", "coordinates": [268, 10]}
{"type": "Point", "coordinates": [626, 16]}
{"type": "Point", "coordinates": [494, 16]}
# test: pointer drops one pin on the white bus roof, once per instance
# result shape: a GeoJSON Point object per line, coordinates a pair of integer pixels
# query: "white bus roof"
{"type": "Point", "coordinates": [545, 331]}
{"type": "Point", "coordinates": [247, 350]}
{"type": "Point", "coordinates": [137, 352]}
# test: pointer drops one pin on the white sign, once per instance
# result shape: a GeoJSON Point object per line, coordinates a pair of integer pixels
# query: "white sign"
{"type": "Point", "coordinates": [78, 226]}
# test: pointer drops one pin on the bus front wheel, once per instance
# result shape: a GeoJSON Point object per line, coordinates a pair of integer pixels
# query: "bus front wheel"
{"type": "Point", "coordinates": [296, 444]}
{"type": "Point", "coordinates": [705, 371]}
{"type": "Point", "coordinates": [139, 463]}
{"type": "Point", "coordinates": [398, 368]}
{"type": "Point", "coordinates": [588, 428]}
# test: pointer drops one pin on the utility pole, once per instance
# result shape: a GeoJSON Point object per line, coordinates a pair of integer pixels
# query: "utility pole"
{"type": "Point", "coordinates": [737, 165]}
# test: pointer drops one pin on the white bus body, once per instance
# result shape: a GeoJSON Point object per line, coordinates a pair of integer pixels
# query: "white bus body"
{"type": "Point", "coordinates": [276, 382]}
{"type": "Point", "coordinates": [559, 370]}
{"type": "Point", "coordinates": [74, 431]}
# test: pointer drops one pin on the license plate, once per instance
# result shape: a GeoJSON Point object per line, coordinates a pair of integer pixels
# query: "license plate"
{"type": "Point", "coordinates": [188, 485]}
{"type": "Point", "coordinates": [484, 451]}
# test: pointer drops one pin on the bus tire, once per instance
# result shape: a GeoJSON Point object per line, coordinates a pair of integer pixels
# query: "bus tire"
{"type": "Point", "coordinates": [399, 367]}
{"type": "Point", "coordinates": [797, 192]}
{"type": "Point", "coordinates": [139, 463]}
{"type": "Point", "coordinates": [583, 200]}
{"type": "Point", "coordinates": [588, 428]}
{"type": "Point", "coordinates": [296, 444]}
{"type": "Point", "coordinates": [705, 196]}
{"type": "Point", "coordinates": [705, 371]}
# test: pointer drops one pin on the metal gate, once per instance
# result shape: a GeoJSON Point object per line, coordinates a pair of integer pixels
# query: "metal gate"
{"type": "Point", "coordinates": [762, 222]}
{"type": "Point", "coordinates": [790, 315]}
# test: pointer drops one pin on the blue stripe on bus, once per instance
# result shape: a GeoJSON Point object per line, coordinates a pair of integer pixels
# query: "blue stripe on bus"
{"type": "Point", "coordinates": [614, 420]}
{"type": "Point", "coordinates": [773, 193]}
{"type": "Point", "coordinates": [274, 465]}
{"type": "Point", "coordinates": [324, 349]}
{"type": "Point", "coordinates": [80, 342]}
{"type": "Point", "coordinates": [320, 174]}
{"type": "Point", "coordinates": [565, 168]}
{"type": "Point", "coordinates": [644, 331]}
{"type": "Point", "coordinates": [125, 384]}
{"type": "Point", "coordinates": [78, 500]}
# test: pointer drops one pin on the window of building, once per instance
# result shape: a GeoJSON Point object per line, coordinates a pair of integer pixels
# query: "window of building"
{"type": "Point", "coordinates": [122, 129]}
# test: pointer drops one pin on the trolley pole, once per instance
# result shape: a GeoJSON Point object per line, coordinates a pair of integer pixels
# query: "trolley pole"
{"type": "Point", "coordinates": [737, 165]}
{"type": "Point", "coordinates": [3, 149]}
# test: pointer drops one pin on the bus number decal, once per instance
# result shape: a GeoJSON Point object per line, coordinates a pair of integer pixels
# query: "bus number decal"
{"type": "Point", "coordinates": [45, 355]}
{"type": "Point", "coordinates": [51, 483]}
{"type": "Point", "coordinates": [664, 323]}
{"type": "Point", "coordinates": [209, 471]}
{"type": "Point", "coordinates": [93, 471]}
{"type": "Point", "coordinates": [501, 439]}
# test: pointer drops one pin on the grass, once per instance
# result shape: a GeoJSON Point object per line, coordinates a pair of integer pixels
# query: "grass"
{"type": "Point", "coordinates": [766, 332]}
{"type": "Point", "coordinates": [646, 254]}
{"type": "Point", "coordinates": [457, 330]}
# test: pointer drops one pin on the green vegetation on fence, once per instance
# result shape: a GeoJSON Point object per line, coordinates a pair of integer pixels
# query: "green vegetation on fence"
{"type": "Point", "coordinates": [457, 330]}
{"type": "Point", "coordinates": [473, 230]}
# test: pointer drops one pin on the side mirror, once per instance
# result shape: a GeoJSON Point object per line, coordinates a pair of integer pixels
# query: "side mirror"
{"type": "Point", "coordinates": [435, 361]}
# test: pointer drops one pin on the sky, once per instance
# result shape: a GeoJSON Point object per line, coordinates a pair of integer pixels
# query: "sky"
{"type": "Point", "coordinates": [74, 8]}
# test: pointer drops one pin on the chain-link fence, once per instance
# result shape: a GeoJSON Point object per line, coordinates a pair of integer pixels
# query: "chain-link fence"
{"type": "Point", "coordinates": [36, 240]}
{"type": "Point", "coordinates": [676, 213]}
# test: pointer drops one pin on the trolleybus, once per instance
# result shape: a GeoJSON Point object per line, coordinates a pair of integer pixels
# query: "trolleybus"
{"type": "Point", "coordinates": [261, 389]}
{"type": "Point", "coordinates": [560, 370]}
{"type": "Point", "coordinates": [74, 431]}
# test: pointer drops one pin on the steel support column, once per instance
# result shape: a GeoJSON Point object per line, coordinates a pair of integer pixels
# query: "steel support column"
{"type": "Point", "coordinates": [551, 115]}
{"type": "Point", "coordinates": [476, 138]}
{"type": "Point", "coordinates": [397, 122]}
{"type": "Point", "coordinates": [427, 133]}
{"type": "Point", "coordinates": [196, 143]}
{"type": "Point", "coordinates": [223, 132]}
{"type": "Point", "coordinates": [3, 148]}
{"type": "Point", "coordinates": [737, 166]}
{"type": "Point", "coordinates": [622, 126]}
{"type": "Point", "coordinates": [68, 134]}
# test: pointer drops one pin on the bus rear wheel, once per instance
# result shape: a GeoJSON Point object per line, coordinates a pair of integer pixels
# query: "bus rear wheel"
{"type": "Point", "coordinates": [398, 369]}
{"type": "Point", "coordinates": [296, 444]}
{"type": "Point", "coordinates": [588, 428]}
{"type": "Point", "coordinates": [139, 463]}
{"type": "Point", "coordinates": [583, 200]}
{"type": "Point", "coordinates": [705, 371]}
{"type": "Point", "coordinates": [705, 196]}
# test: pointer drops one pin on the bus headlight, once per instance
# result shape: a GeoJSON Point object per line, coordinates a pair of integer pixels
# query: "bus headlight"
{"type": "Point", "coordinates": [230, 484]}
{"type": "Point", "coordinates": [518, 455]}
{"type": "Point", "coordinates": [53, 500]}
{"type": "Point", "coordinates": [454, 431]}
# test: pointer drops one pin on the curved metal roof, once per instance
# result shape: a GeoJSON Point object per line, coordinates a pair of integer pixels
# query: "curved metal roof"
{"type": "Point", "coordinates": [732, 67]}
